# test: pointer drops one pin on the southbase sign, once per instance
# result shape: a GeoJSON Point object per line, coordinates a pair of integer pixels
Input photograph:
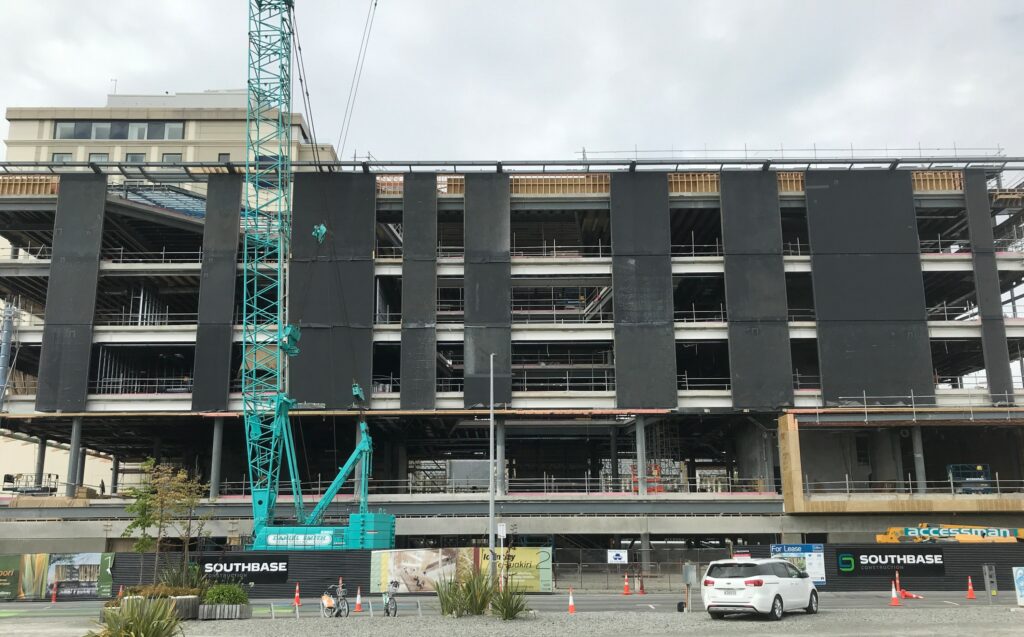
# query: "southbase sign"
{"type": "Point", "coordinates": [884, 561]}
{"type": "Point", "coordinates": [259, 569]}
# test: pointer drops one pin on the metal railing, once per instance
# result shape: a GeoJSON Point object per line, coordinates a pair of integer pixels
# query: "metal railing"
{"type": "Point", "coordinates": [551, 312]}
{"type": "Point", "coordinates": [944, 246]}
{"type": "Point", "coordinates": [694, 315]}
{"type": "Point", "coordinates": [697, 249]}
{"type": "Point", "coordinates": [141, 385]}
{"type": "Point", "coordinates": [554, 251]}
{"type": "Point", "coordinates": [451, 252]}
{"type": "Point", "coordinates": [796, 248]}
{"type": "Point", "coordinates": [120, 255]}
{"type": "Point", "coordinates": [806, 381]}
{"type": "Point", "coordinates": [686, 382]}
{"type": "Point", "coordinates": [1009, 244]}
{"type": "Point", "coordinates": [967, 402]}
{"type": "Point", "coordinates": [565, 381]}
{"type": "Point", "coordinates": [943, 312]}
{"type": "Point", "coordinates": [386, 385]}
{"type": "Point", "coordinates": [27, 253]}
{"type": "Point", "coordinates": [450, 384]}
{"type": "Point", "coordinates": [949, 485]}
{"type": "Point", "coordinates": [961, 382]}
{"type": "Point", "coordinates": [387, 318]}
{"type": "Point", "coordinates": [389, 252]}
{"type": "Point", "coordinates": [800, 314]}
{"type": "Point", "coordinates": [136, 319]}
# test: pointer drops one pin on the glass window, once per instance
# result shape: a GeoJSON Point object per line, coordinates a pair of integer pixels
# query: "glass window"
{"type": "Point", "coordinates": [137, 130]}
{"type": "Point", "coordinates": [83, 130]}
{"type": "Point", "coordinates": [155, 130]}
{"type": "Point", "coordinates": [174, 130]}
{"type": "Point", "coordinates": [793, 571]}
{"type": "Point", "coordinates": [60, 157]}
{"type": "Point", "coordinates": [101, 130]}
{"type": "Point", "coordinates": [99, 157]}
{"type": "Point", "coordinates": [135, 158]}
{"type": "Point", "coordinates": [64, 130]}
{"type": "Point", "coordinates": [118, 130]}
{"type": "Point", "coordinates": [742, 569]}
{"type": "Point", "coordinates": [171, 158]}
{"type": "Point", "coordinates": [779, 570]}
{"type": "Point", "coordinates": [223, 157]}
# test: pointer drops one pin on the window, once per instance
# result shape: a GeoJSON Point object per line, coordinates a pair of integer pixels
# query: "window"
{"type": "Point", "coordinates": [779, 570]}
{"type": "Point", "coordinates": [60, 157]}
{"type": "Point", "coordinates": [137, 130]}
{"type": "Point", "coordinates": [793, 571]}
{"type": "Point", "coordinates": [223, 157]}
{"type": "Point", "coordinates": [99, 157]}
{"type": "Point", "coordinates": [174, 130]}
{"type": "Point", "coordinates": [135, 158]}
{"type": "Point", "coordinates": [171, 158]}
{"type": "Point", "coordinates": [744, 569]}
{"type": "Point", "coordinates": [100, 130]}
{"type": "Point", "coordinates": [64, 130]}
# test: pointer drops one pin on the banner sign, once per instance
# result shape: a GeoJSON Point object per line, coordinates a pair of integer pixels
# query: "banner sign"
{"type": "Point", "coordinates": [884, 561]}
{"type": "Point", "coordinates": [618, 557]}
{"type": "Point", "coordinates": [806, 557]}
{"type": "Point", "coordinates": [1018, 584]}
{"type": "Point", "coordinates": [418, 570]}
{"type": "Point", "coordinates": [80, 574]}
{"type": "Point", "coordinates": [259, 569]}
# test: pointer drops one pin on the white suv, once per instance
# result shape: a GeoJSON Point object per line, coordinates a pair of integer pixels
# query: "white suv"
{"type": "Point", "coordinates": [769, 587]}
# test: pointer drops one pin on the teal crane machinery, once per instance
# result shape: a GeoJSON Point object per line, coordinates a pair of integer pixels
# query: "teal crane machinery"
{"type": "Point", "coordinates": [268, 340]}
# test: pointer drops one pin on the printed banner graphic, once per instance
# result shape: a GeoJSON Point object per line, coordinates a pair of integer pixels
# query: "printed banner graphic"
{"type": "Point", "coordinates": [806, 557]}
{"type": "Point", "coordinates": [418, 570]}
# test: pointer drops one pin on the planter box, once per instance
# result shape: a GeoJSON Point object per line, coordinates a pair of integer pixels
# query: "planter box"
{"type": "Point", "coordinates": [225, 611]}
{"type": "Point", "coordinates": [186, 606]}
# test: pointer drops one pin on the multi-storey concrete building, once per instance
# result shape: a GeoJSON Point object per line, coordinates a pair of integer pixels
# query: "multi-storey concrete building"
{"type": "Point", "coordinates": [786, 349]}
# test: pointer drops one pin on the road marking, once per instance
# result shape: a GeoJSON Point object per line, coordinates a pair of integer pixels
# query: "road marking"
{"type": "Point", "coordinates": [953, 603]}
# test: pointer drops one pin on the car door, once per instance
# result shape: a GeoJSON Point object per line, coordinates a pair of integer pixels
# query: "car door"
{"type": "Point", "coordinates": [785, 584]}
{"type": "Point", "coordinates": [801, 587]}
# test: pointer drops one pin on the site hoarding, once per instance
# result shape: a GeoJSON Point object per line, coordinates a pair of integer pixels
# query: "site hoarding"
{"type": "Point", "coordinates": [806, 557]}
{"type": "Point", "coordinates": [258, 569]}
{"type": "Point", "coordinates": [34, 575]}
{"type": "Point", "coordinates": [418, 570]}
{"type": "Point", "coordinates": [886, 560]}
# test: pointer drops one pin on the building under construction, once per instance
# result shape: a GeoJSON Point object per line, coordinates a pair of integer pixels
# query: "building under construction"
{"type": "Point", "coordinates": [761, 350]}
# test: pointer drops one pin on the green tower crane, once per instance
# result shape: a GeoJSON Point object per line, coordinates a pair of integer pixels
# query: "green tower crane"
{"type": "Point", "coordinates": [267, 338]}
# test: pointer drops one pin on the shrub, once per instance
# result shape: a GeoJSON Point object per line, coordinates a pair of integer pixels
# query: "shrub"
{"type": "Point", "coordinates": [226, 594]}
{"type": "Point", "coordinates": [477, 591]}
{"type": "Point", "coordinates": [162, 590]}
{"type": "Point", "coordinates": [509, 603]}
{"type": "Point", "coordinates": [185, 576]}
{"type": "Point", "coordinates": [449, 595]}
{"type": "Point", "coordinates": [136, 617]}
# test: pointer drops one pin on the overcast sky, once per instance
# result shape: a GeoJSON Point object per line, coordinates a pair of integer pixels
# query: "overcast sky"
{"type": "Point", "coordinates": [458, 79]}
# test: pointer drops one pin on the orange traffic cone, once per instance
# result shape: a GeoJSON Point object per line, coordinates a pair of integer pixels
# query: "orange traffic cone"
{"type": "Point", "coordinates": [120, 592]}
{"type": "Point", "coordinates": [359, 599]}
{"type": "Point", "coordinates": [298, 601]}
{"type": "Point", "coordinates": [53, 595]}
{"type": "Point", "coordinates": [625, 584]}
{"type": "Point", "coordinates": [970, 588]}
{"type": "Point", "coordinates": [572, 604]}
{"type": "Point", "coordinates": [641, 591]}
{"type": "Point", "coordinates": [894, 599]}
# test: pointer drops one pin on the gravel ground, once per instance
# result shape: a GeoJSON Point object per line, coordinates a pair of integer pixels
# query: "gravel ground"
{"type": "Point", "coordinates": [903, 621]}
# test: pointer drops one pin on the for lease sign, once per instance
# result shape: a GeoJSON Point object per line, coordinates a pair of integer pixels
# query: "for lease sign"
{"type": "Point", "coordinates": [884, 561]}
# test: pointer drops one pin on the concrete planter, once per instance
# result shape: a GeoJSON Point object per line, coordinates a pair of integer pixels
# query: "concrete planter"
{"type": "Point", "coordinates": [225, 611]}
{"type": "Point", "coordinates": [186, 606]}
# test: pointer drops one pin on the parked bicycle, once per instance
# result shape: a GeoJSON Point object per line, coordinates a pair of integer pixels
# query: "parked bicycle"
{"type": "Point", "coordinates": [388, 597]}
{"type": "Point", "coordinates": [333, 602]}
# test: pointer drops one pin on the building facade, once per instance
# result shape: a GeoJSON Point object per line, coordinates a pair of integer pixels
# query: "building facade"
{"type": "Point", "coordinates": [680, 353]}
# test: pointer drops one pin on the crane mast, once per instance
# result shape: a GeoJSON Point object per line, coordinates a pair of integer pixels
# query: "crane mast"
{"type": "Point", "coordinates": [267, 338]}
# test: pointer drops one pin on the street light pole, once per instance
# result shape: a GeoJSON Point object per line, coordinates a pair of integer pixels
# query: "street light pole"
{"type": "Point", "coordinates": [490, 472]}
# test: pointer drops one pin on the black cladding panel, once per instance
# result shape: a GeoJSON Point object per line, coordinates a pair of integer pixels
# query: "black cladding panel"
{"type": "Point", "coordinates": [488, 219]}
{"type": "Point", "coordinates": [71, 293]}
{"type": "Point", "coordinates": [979, 211]}
{"type": "Point", "coordinates": [488, 293]}
{"type": "Point", "coordinates": [751, 221]}
{"type": "Point", "coordinates": [419, 367]}
{"type": "Point", "coordinates": [212, 369]}
{"type": "Point", "coordinates": [760, 364]}
{"type": "Point", "coordinates": [419, 291]}
{"type": "Point", "coordinates": [643, 289]}
{"type": "Point", "coordinates": [480, 343]}
{"type": "Point", "coordinates": [419, 294]}
{"type": "Point", "coordinates": [868, 287]}
{"type": "Point", "coordinates": [419, 217]}
{"type": "Point", "coordinates": [755, 288]}
{"type": "Point", "coordinates": [858, 211]}
{"type": "Point", "coordinates": [640, 214]}
{"type": "Point", "coordinates": [645, 367]}
{"type": "Point", "coordinates": [331, 286]}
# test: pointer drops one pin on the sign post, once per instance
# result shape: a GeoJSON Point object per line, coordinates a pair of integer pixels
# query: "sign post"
{"type": "Point", "coordinates": [690, 579]}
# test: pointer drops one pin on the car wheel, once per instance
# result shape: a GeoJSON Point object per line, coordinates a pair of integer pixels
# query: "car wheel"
{"type": "Point", "coordinates": [775, 614]}
{"type": "Point", "coordinates": [716, 615]}
{"type": "Point", "coordinates": [812, 605]}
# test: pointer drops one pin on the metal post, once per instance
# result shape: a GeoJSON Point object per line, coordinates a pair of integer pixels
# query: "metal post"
{"type": "Point", "coordinates": [918, 444]}
{"type": "Point", "coordinates": [490, 488]}
{"type": "Point", "coordinates": [613, 438]}
{"type": "Point", "coordinates": [115, 474]}
{"type": "Point", "coordinates": [641, 456]}
{"type": "Point", "coordinates": [215, 456]}
{"type": "Point", "coordinates": [5, 349]}
{"type": "Point", "coordinates": [500, 457]}
{"type": "Point", "coordinates": [40, 460]}
{"type": "Point", "coordinates": [74, 451]}
{"type": "Point", "coordinates": [81, 468]}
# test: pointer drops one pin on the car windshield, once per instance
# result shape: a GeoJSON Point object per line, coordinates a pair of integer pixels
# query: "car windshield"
{"type": "Point", "coordinates": [737, 569]}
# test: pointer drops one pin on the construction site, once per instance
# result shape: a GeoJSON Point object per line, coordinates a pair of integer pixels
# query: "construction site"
{"type": "Point", "coordinates": [653, 355]}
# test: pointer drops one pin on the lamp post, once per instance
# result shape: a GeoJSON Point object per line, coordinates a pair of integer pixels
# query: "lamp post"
{"type": "Point", "coordinates": [490, 472]}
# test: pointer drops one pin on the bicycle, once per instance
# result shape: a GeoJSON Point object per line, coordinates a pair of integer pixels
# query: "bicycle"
{"type": "Point", "coordinates": [333, 602]}
{"type": "Point", "coordinates": [388, 597]}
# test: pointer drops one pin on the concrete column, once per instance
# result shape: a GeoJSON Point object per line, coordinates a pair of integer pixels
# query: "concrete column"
{"type": "Point", "coordinates": [641, 455]}
{"type": "Point", "coordinates": [81, 467]}
{"type": "Point", "coordinates": [691, 474]}
{"type": "Point", "coordinates": [115, 474]}
{"type": "Point", "coordinates": [613, 439]}
{"type": "Point", "coordinates": [499, 456]}
{"type": "Point", "coordinates": [922, 480]}
{"type": "Point", "coordinates": [402, 464]}
{"type": "Point", "coordinates": [75, 449]}
{"type": "Point", "coordinates": [645, 551]}
{"type": "Point", "coordinates": [215, 455]}
{"type": "Point", "coordinates": [40, 460]}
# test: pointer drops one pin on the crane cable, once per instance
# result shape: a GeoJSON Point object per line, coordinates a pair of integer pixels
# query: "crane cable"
{"type": "Point", "coordinates": [357, 74]}
{"type": "Point", "coordinates": [307, 104]}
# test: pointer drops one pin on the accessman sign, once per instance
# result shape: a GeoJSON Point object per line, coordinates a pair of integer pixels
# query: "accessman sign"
{"type": "Point", "coordinates": [260, 569]}
{"type": "Point", "coordinates": [883, 561]}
